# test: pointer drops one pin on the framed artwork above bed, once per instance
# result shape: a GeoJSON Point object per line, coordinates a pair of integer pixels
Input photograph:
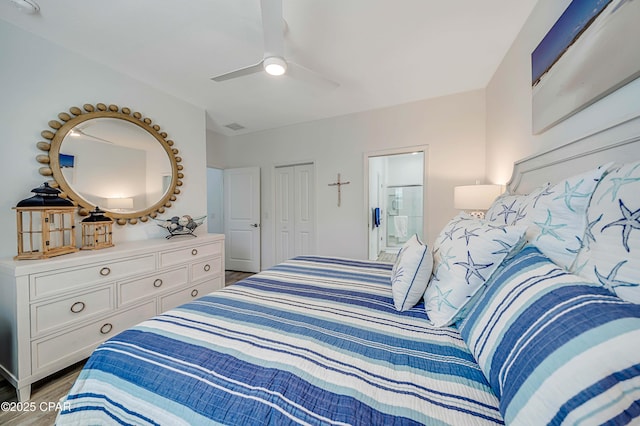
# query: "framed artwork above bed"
{"type": "Point", "coordinates": [587, 54]}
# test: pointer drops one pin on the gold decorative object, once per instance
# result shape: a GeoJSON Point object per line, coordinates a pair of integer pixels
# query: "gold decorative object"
{"type": "Point", "coordinates": [46, 225]}
{"type": "Point", "coordinates": [72, 124]}
{"type": "Point", "coordinates": [97, 231]}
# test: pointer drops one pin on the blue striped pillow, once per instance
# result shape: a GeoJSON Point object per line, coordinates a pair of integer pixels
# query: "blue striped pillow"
{"type": "Point", "coordinates": [554, 348]}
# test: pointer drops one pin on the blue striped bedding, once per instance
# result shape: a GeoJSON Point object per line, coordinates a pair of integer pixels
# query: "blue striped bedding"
{"type": "Point", "coordinates": [556, 348]}
{"type": "Point", "coordinates": [315, 340]}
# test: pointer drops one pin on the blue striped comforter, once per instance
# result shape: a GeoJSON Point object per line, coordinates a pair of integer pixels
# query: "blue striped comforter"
{"type": "Point", "coordinates": [314, 340]}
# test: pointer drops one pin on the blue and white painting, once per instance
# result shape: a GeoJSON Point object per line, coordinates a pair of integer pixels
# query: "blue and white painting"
{"type": "Point", "coordinates": [66, 160]}
{"type": "Point", "coordinates": [587, 54]}
{"type": "Point", "coordinates": [68, 167]}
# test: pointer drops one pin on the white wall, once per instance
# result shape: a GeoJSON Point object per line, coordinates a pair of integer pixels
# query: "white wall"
{"type": "Point", "coordinates": [39, 80]}
{"type": "Point", "coordinates": [509, 124]}
{"type": "Point", "coordinates": [216, 154]}
{"type": "Point", "coordinates": [404, 170]}
{"type": "Point", "coordinates": [453, 127]}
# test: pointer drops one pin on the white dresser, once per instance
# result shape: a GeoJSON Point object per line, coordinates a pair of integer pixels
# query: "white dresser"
{"type": "Point", "coordinates": [54, 312]}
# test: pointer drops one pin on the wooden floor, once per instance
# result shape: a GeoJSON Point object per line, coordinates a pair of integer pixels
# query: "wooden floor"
{"type": "Point", "coordinates": [51, 389]}
{"type": "Point", "coordinates": [231, 277]}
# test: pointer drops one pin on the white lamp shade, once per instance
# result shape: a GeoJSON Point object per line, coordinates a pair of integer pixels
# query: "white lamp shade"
{"type": "Point", "coordinates": [475, 197]}
{"type": "Point", "coordinates": [120, 203]}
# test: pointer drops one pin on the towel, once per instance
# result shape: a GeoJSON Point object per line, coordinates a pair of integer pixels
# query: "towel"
{"type": "Point", "coordinates": [376, 217]}
{"type": "Point", "coordinates": [400, 223]}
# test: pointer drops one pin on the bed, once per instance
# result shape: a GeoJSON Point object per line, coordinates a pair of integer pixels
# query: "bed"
{"type": "Point", "coordinates": [531, 316]}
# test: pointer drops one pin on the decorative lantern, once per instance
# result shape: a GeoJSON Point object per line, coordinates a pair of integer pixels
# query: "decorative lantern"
{"type": "Point", "coordinates": [46, 225]}
{"type": "Point", "coordinates": [97, 231]}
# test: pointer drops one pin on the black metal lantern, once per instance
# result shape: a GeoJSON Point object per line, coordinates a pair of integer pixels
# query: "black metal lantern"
{"type": "Point", "coordinates": [46, 224]}
{"type": "Point", "coordinates": [97, 230]}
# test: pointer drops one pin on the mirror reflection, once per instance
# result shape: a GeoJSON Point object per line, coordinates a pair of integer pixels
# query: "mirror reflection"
{"type": "Point", "coordinates": [114, 158]}
{"type": "Point", "coordinates": [115, 164]}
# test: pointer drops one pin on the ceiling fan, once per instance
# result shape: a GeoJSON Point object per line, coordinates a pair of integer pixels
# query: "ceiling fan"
{"type": "Point", "coordinates": [80, 133]}
{"type": "Point", "coordinates": [274, 62]}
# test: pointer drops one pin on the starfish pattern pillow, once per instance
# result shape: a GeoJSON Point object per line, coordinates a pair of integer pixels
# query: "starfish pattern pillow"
{"type": "Point", "coordinates": [555, 214]}
{"type": "Point", "coordinates": [557, 217]}
{"type": "Point", "coordinates": [465, 254]}
{"type": "Point", "coordinates": [512, 209]}
{"type": "Point", "coordinates": [611, 252]}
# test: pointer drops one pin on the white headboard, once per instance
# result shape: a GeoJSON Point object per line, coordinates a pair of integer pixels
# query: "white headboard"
{"type": "Point", "coordinates": [619, 143]}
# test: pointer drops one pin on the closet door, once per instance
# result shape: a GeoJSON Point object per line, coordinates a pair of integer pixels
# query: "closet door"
{"type": "Point", "coordinates": [294, 211]}
{"type": "Point", "coordinates": [285, 211]}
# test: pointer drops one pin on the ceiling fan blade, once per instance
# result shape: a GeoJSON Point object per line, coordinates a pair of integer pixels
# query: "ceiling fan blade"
{"type": "Point", "coordinates": [239, 73]}
{"type": "Point", "coordinates": [78, 132]}
{"type": "Point", "coordinates": [305, 74]}
{"type": "Point", "coordinates": [272, 28]}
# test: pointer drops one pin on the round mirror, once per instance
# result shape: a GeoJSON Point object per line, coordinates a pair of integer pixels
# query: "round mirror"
{"type": "Point", "coordinates": [112, 158]}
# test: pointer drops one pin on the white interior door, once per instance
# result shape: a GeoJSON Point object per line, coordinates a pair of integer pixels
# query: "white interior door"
{"type": "Point", "coordinates": [285, 211]}
{"type": "Point", "coordinates": [305, 210]}
{"type": "Point", "coordinates": [295, 211]}
{"type": "Point", "coordinates": [375, 187]}
{"type": "Point", "coordinates": [242, 219]}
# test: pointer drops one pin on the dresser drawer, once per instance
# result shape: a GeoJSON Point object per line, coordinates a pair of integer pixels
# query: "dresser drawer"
{"type": "Point", "coordinates": [194, 252]}
{"type": "Point", "coordinates": [170, 301]}
{"type": "Point", "coordinates": [208, 268]}
{"type": "Point", "coordinates": [52, 350]}
{"type": "Point", "coordinates": [48, 284]}
{"type": "Point", "coordinates": [48, 316]}
{"type": "Point", "coordinates": [148, 286]}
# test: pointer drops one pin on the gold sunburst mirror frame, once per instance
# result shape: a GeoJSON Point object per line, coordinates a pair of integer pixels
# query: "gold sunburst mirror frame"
{"type": "Point", "coordinates": [65, 125]}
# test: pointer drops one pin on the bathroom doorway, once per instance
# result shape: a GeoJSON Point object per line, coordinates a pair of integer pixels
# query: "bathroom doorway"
{"type": "Point", "coordinates": [396, 200]}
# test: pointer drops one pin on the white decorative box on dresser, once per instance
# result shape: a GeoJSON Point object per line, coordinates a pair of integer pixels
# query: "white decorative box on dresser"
{"type": "Point", "coordinates": [54, 312]}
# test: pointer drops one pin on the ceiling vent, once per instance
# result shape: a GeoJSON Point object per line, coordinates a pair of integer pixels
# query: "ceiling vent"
{"type": "Point", "coordinates": [235, 126]}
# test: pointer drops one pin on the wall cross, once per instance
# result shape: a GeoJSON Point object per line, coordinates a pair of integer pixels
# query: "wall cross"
{"type": "Point", "coordinates": [339, 184]}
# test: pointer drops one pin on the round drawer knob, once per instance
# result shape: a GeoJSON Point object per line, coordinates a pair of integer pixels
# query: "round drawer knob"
{"type": "Point", "coordinates": [207, 267]}
{"type": "Point", "coordinates": [106, 328]}
{"type": "Point", "coordinates": [105, 271]}
{"type": "Point", "coordinates": [78, 307]}
{"type": "Point", "coordinates": [194, 252]}
{"type": "Point", "coordinates": [194, 292]}
{"type": "Point", "coordinates": [157, 283]}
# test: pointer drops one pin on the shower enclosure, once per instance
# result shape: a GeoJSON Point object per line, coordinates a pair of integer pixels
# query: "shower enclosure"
{"type": "Point", "coordinates": [404, 214]}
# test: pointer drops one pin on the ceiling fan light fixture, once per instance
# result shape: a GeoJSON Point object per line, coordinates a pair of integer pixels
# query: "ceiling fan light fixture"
{"type": "Point", "coordinates": [26, 6]}
{"type": "Point", "coordinates": [274, 65]}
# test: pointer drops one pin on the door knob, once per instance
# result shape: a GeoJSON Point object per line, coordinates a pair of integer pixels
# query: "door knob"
{"type": "Point", "coordinates": [255, 225]}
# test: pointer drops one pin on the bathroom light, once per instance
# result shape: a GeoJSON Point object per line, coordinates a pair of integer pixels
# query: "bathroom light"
{"type": "Point", "coordinates": [274, 65]}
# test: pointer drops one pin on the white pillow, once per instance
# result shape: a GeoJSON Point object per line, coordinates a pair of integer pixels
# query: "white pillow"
{"type": "Point", "coordinates": [611, 252]}
{"type": "Point", "coordinates": [410, 274]}
{"type": "Point", "coordinates": [556, 214]}
{"type": "Point", "coordinates": [558, 222]}
{"type": "Point", "coordinates": [465, 254]}
{"type": "Point", "coordinates": [513, 209]}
